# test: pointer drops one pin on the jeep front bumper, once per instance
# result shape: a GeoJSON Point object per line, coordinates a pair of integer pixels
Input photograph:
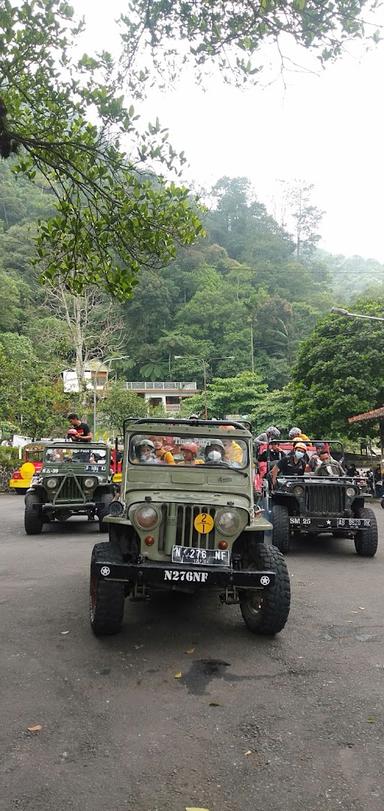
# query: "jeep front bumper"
{"type": "Point", "coordinates": [163, 574]}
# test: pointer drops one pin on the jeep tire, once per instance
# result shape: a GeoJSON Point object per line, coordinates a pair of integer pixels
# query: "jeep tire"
{"type": "Point", "coordinates": [106, 599]}
{"type": "Point", "coordinates": [366, 539]}
{"type": "Point", "coordinates": [281, 528]}
{"type": "Point", "coordinates": [33, 519]}
{"type": "Point", "coordinates": [266, 612]}
{"type": "Point", "coordinates": [102, 511]}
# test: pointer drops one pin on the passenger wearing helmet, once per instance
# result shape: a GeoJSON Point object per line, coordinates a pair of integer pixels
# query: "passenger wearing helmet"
{"type": "Point", "coordinates": [163, 453]}
{"type": "Point", "coordinates": [296, 433]}
{"type": "Point", "coordinates": [270, 433]}
{"type": "Point", "coordinates": [214, 452]}
{"type": "Point", "coordinates": [145, 453]}
{"type": "Point", "coordinates": [293, 464]}
{"type": "Point", "coordinates": [323, 464]}
{"type": "Point", "coordinates": [189, 451]}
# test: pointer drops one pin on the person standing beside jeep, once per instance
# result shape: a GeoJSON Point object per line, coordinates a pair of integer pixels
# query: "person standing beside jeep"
{"type": "Point", "coordinates": [79, 431]}
{"type": "Point", "coordinates": [293, 464]}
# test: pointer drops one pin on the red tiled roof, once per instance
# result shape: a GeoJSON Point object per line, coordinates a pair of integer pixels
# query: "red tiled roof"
{"type": "Point", "coordinates": [376, 414]}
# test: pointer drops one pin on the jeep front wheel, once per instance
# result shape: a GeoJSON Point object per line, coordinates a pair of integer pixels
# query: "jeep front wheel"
{"type": "Point", "coordinates": [266, 611]}
{"type": "Point", "coordinates": [106, 598]}
{"type": "Point", "coordinates": [281, 528]}
{"type": "Point", "coordinates": [33, 519]}
{"type": "Point", "coordinates": [366, 539]}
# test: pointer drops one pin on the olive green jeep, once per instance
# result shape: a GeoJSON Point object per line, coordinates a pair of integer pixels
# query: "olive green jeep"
{"type": "Point", "coordinates": [186, 520]}
{"type": "Point", "coordinates": [74, 479]}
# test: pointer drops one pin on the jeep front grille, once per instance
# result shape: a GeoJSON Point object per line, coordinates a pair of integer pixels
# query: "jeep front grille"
{"type": "Point", "coordinates": [186, 534]}
{"type": "Point", "coordinates": [69, 490]}
{"type": "Point", "coordinates": [324, 499]}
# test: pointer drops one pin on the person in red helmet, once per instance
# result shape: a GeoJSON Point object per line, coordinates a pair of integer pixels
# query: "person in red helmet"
{"type": "Point", "coordinates": [189, 451]}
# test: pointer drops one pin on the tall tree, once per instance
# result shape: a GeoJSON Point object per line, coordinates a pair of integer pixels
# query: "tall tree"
{"type": "Point", "coordinates": [339, 372]}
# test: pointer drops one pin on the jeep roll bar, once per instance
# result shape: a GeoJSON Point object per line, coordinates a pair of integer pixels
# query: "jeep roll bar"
{"type": "Point", "coordinates": [171, 421]}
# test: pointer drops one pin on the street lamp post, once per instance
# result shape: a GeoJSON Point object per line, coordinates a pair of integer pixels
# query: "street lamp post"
{"type": "Point", "coordinates": [205, 365]}
{"type": "Point", "coordinates": [102, 362]}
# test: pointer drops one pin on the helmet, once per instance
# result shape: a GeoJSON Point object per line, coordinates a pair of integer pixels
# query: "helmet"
{"type": "Point", "coordinates": [300, 446]}
{"type": "Point", "coordinates": [72, 432]}
{"type": "Point", "coordinates": [213, 442]}
{"type": "Point", "coordinates": [272, 431]}
{"type": "Point", "coordinates": [193, 417]}
{"type": "Point", "coordinates": [189, 446]}
{"type": "Point", "coordinates": [294, 432]}
{"type": "Point", "coordinates": [145, 443]}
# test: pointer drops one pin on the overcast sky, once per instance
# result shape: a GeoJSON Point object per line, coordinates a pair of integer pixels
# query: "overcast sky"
{"type": "Point", "coordinates": [327, 129]}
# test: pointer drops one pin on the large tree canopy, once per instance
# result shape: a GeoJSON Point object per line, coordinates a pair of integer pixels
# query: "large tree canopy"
{"type": "Point", "coordinates": [64, 120]}
{"type": "Point", "coordinates": [339, 372]}
{"type": "Point", "coordinates": [230, 33]}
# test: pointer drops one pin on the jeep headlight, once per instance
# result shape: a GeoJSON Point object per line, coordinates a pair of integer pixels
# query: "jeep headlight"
{"type": "Point", "coordinates": [145, 516]}
{"type": "Point", "coordinates": [298, 491]}
{"type": "Point", "coordinates": [51, 483]}
{"type": "Point", "coordinates": [350, 491]}
{"type": "Point", "coordinates": [88, 483]}
{"type": "Point", "coordinates": [228, 522]}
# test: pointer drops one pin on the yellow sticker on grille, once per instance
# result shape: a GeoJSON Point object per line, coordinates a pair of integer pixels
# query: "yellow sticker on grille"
{"type": "Point", "coordinates": [204, 523]}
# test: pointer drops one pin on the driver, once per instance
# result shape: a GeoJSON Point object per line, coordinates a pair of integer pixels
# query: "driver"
{"type": "Point", "coordinates": [293, 464]}
{"type": "Point", "coordinates": [214, 452]}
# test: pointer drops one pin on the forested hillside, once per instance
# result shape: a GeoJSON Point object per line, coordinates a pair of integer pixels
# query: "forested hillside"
{"type": "Point", "coordinates": [242, 299]}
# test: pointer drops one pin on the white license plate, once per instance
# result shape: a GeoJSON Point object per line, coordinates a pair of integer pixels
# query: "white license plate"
{"type": "Point", "coordinates": [204, 557]}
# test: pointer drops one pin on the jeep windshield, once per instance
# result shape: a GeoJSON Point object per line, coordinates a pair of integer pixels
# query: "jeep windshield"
{"type": "Point", "coordinates": [61, 457]}
{"type": "Point", "coordinates": [186, 450]}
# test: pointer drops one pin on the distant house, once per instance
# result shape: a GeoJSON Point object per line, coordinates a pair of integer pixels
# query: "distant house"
{"type": "Point", "coordinates": [170, 395]}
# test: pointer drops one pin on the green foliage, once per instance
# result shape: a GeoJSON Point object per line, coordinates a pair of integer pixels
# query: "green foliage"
{"type": "Point", "coordinates": [120, 403]}
{"type": "Point", "coordinates": [8, 457]}
{"type": "Point", "coordinates": [275, 408]}
{"type": "Point", "coordinates": [230, 395]}
{"type": "Point", "coordinates": [339, 373]}
{"type": "Point", "coordinates": [230, 35]}
{"type": "Point", "coordinates": [111, 213]}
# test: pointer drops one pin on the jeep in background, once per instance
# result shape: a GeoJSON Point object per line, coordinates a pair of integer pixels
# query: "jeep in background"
{"type": "Point", "coordinates": [313, 505]}
{"type": "Point", "coordinates": [74, 480]}
{"type": "Point", "coordinates": [186, 520]}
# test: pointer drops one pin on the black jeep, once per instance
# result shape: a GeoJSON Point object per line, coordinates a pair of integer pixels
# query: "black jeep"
{"type": "Point", "coordinates": [321, 501]}
{"type": "Point", "coordinates": [75, 479]}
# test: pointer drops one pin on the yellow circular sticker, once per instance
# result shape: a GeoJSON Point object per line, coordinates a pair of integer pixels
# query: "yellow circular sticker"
{"type": "Point", "coordinates": [204, 523]}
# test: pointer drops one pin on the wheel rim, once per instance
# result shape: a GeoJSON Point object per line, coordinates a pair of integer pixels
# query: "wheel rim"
{"type": "Point", "coordinates": [255, 604]}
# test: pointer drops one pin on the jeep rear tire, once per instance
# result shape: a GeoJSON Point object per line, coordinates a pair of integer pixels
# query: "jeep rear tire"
{"type": "Point", "coordinates": [281, 528]}
{"type": "Point", "coordinates": [106, 599]}
{"type": "Point", "coordinates": [103, 510]}
{"type": "Point", "coordinates": [33, 519]}
{"type": "Point", "coordinates": [366, 539]}
{"type": "Point", "coordinates": [266, 611]}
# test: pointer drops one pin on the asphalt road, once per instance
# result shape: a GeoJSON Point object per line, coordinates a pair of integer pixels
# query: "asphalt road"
{"type": "Point", "coordinates": [293, 723]}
